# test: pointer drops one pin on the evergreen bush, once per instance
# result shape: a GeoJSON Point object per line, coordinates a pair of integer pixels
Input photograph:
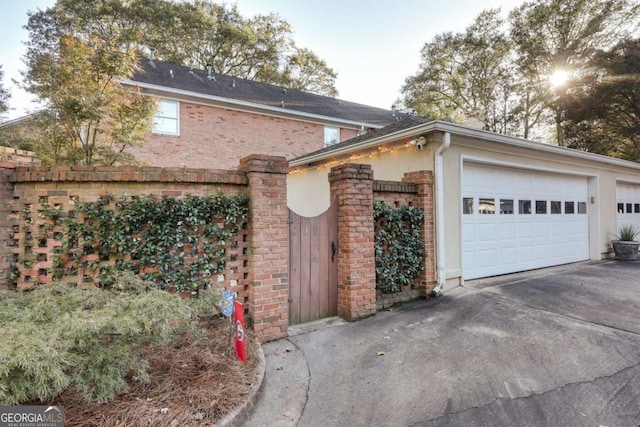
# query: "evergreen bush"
{"type": "Point", "coordinates": [59, 336]}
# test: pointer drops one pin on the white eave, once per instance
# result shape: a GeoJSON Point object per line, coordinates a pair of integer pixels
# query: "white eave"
{"type": "Point", "coordinates": [439, 126]}
{"type": "Point", "coordinates": [236, 104]}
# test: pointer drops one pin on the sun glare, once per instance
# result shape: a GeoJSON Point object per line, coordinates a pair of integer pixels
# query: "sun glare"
{"type": "Point", "coordinates": [558, 78]}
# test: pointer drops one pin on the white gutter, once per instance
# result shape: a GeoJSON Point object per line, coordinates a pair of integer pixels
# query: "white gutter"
{"type": "Point", "coordinates": [247, 106]}
{"type": "Point", "coordinates": [441, 276]}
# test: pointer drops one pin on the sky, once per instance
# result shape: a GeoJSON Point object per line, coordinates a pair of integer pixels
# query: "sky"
{"type": "Point", "coordinates": [373, 46]}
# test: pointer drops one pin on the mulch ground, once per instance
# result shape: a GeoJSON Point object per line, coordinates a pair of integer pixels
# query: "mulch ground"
{"type": "Point", "coordinates": [195, 381]}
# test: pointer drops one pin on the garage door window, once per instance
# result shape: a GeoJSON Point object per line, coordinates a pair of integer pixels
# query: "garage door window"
{"type": "Point", "coordinates": [487, 206]}
{"type": "Point", "coordinates": [556, 207]}
{"type": "Point", "coordinates": [467, 205]}
{"type": "Point", "coordinates": [506, 206]}
{"type": "Point", "coordinates": [541, 207]}
{"type": "Point", "coordinates": [569, 208]}
{"type": "Point", "coordinates": [524, 207]}
{"type": "Point", "coordinates": [582, 207]}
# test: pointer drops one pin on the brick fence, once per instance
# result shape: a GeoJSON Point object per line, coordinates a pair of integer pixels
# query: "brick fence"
{"type": "Point", "coordinates": [257, 267]}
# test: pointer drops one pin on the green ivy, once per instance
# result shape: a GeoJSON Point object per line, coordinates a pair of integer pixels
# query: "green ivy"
{"type": "Point", "coordinates": [174, 243]}
{"type": "Point", "coordinates": [399, 246]}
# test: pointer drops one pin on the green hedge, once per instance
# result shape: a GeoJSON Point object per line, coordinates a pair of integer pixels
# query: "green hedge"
{"type": "Point", "coordinates": [399, 246]}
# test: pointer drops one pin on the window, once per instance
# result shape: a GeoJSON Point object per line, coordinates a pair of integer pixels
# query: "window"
{"type": "Point", "coordinates": [524, 207]}
{"type": "Point", "coordinates": [636, 207]}
{"type": "Point", "coordinates": [569, 207]}
{"type": "Point", "coordinates": [582, 207]}
{"type": "Point", "coordinates": [487, 206]}
{"type": "Point", "coordinates": [629, 208]}
{"type": "Point", "coordinates": [467, 205]}
{"type": "Point", "coordinates": [620, 207]}
{"type": "Point", "coordinates": [506, 206]}
{"type": "Point", "coordinates": [167, 118]}
{"type": "Point", "coordinates": [556, 207]}
{"type": "Point", "coordinates": [331, 136]}
{"type": "Point", "coordinates": [541, 207]}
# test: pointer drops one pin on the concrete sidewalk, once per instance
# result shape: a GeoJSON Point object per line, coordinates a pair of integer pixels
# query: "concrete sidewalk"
{"type": "Point", "coordinates": [555, 347]}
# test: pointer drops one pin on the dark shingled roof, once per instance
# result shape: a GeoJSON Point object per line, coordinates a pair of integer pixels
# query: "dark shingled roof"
{"type": "Point", "coordinates": [407, 123]}
{"type": "Point", "coordinates": [184, 78]}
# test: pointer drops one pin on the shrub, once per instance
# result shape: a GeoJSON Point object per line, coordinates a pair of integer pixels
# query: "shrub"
{"type": "Point", "coordinates": [628, 233]}
{"type": "Point", "coordinates": [399, 246]}
{"type": "Point", "coordinates": [60, 336]}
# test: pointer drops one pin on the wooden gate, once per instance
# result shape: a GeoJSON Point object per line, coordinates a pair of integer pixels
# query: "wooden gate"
{"type": "Point", "coordinates": [313, 266]}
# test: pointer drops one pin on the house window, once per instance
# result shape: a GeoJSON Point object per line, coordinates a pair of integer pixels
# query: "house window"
{"type": "Point", "coordinates": [556, 207]}
{"type": "Point", "coordinates": [331, 135]}
{"type": "Point", "coordinates": [167, 118]}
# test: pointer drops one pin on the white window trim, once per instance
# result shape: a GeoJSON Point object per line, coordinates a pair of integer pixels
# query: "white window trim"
{"type": "Point", "coordinates": [177, 118]}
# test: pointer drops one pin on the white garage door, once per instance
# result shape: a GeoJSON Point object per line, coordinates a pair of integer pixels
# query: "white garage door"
{"type": "Point", "coordinates": [516, 220]}
{"type": "Point", "coordinates": [628, 204]}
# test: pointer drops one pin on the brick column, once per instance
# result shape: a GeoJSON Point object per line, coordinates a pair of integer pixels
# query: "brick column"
{"type": "Point", "coordinates": [268, 256]}
{"type": "Point", "coordinates": [352, 188]}
{"type": "Point", "coordinates": [6, 223]}
{"type": "Point", "coordinates": [424, 200]}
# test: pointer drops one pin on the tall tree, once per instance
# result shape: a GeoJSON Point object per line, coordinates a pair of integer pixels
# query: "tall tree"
{"type": "Point", "coordinates": [603, 109]}
{"type": "Point", "coordinates": [554, 36]}
{"type": "Point", "coordinates": [74, 64]}
{"type": "Point", "coordinates": [466, 75]}
{"type": "Point", "coordinates": [4, 95]}
{"type": "Point", "coordinates": [259, 48]}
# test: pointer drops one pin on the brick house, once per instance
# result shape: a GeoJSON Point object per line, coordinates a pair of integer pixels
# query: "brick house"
{"type": "Point", "coordinates": [209, 120]}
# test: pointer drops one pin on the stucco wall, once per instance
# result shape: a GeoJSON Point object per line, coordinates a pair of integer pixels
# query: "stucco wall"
{"type": "Point", "coordinates": [308, 188]}
{"type": "Point", "coordinates": [217, 138]}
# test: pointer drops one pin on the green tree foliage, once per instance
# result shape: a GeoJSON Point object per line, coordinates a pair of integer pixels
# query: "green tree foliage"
{"type": "Point", "coordinates": [466, 75]}
{"type": "Point", "coordinates": [552, 35]}
{"type": "Point", "coordinates": [59, 336]}
{"type": "Point", "coordinates": [259, 48]}
{"type": "Point", "coordinates": [74, 64]}
{"type": "Point", "coordinates": [4, 96]}
{"type": "Point", "coordinates": [602, 110]}
{"type": "Point", "coordinates": [499, 71]}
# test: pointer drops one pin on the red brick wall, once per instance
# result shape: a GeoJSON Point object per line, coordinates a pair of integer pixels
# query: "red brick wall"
{"type": "Point", "coordinates": [212, 137]}
{"type": "Point", "coordinates": [352, 185]}
{"type": "Point", "coordinates": [10, 158]}
{"type": "Point", "coordinates": [257, 264]}
{"type": "Point", "coordinates": [269, 242]}
{"type": "Point", "coordinates": [423, 181]}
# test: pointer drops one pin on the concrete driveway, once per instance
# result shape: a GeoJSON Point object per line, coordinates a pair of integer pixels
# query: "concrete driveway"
{"type": "Point", "coordinates": [555, 347]}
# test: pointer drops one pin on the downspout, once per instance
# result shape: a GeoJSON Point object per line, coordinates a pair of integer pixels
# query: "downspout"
{"type": "Point", "coordinates": [439, 195]}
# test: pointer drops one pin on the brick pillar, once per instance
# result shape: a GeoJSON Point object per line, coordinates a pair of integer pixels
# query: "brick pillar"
{"type": "Point", "coordinates": [424, 200]}
{"type": "Point", "coordinates": [268, 256]}
{"type": "Point", "coordinates": [352, 188]}
{"type": "Point", "coordinates": [6, 223]}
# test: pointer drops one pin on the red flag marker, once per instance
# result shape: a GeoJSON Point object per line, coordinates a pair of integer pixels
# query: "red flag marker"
{"type": "Point", "coordinates": [241, 351]}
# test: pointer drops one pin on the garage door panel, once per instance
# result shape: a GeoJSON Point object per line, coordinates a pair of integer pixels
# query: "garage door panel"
{"type": "Point", "coordinates": [628, 204]}
{"type": "Point", "coordinates": [516, 241]}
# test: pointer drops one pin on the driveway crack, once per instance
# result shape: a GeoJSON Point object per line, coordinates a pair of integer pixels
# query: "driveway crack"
{"type": "Point", "coordinates": [560, 387]}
